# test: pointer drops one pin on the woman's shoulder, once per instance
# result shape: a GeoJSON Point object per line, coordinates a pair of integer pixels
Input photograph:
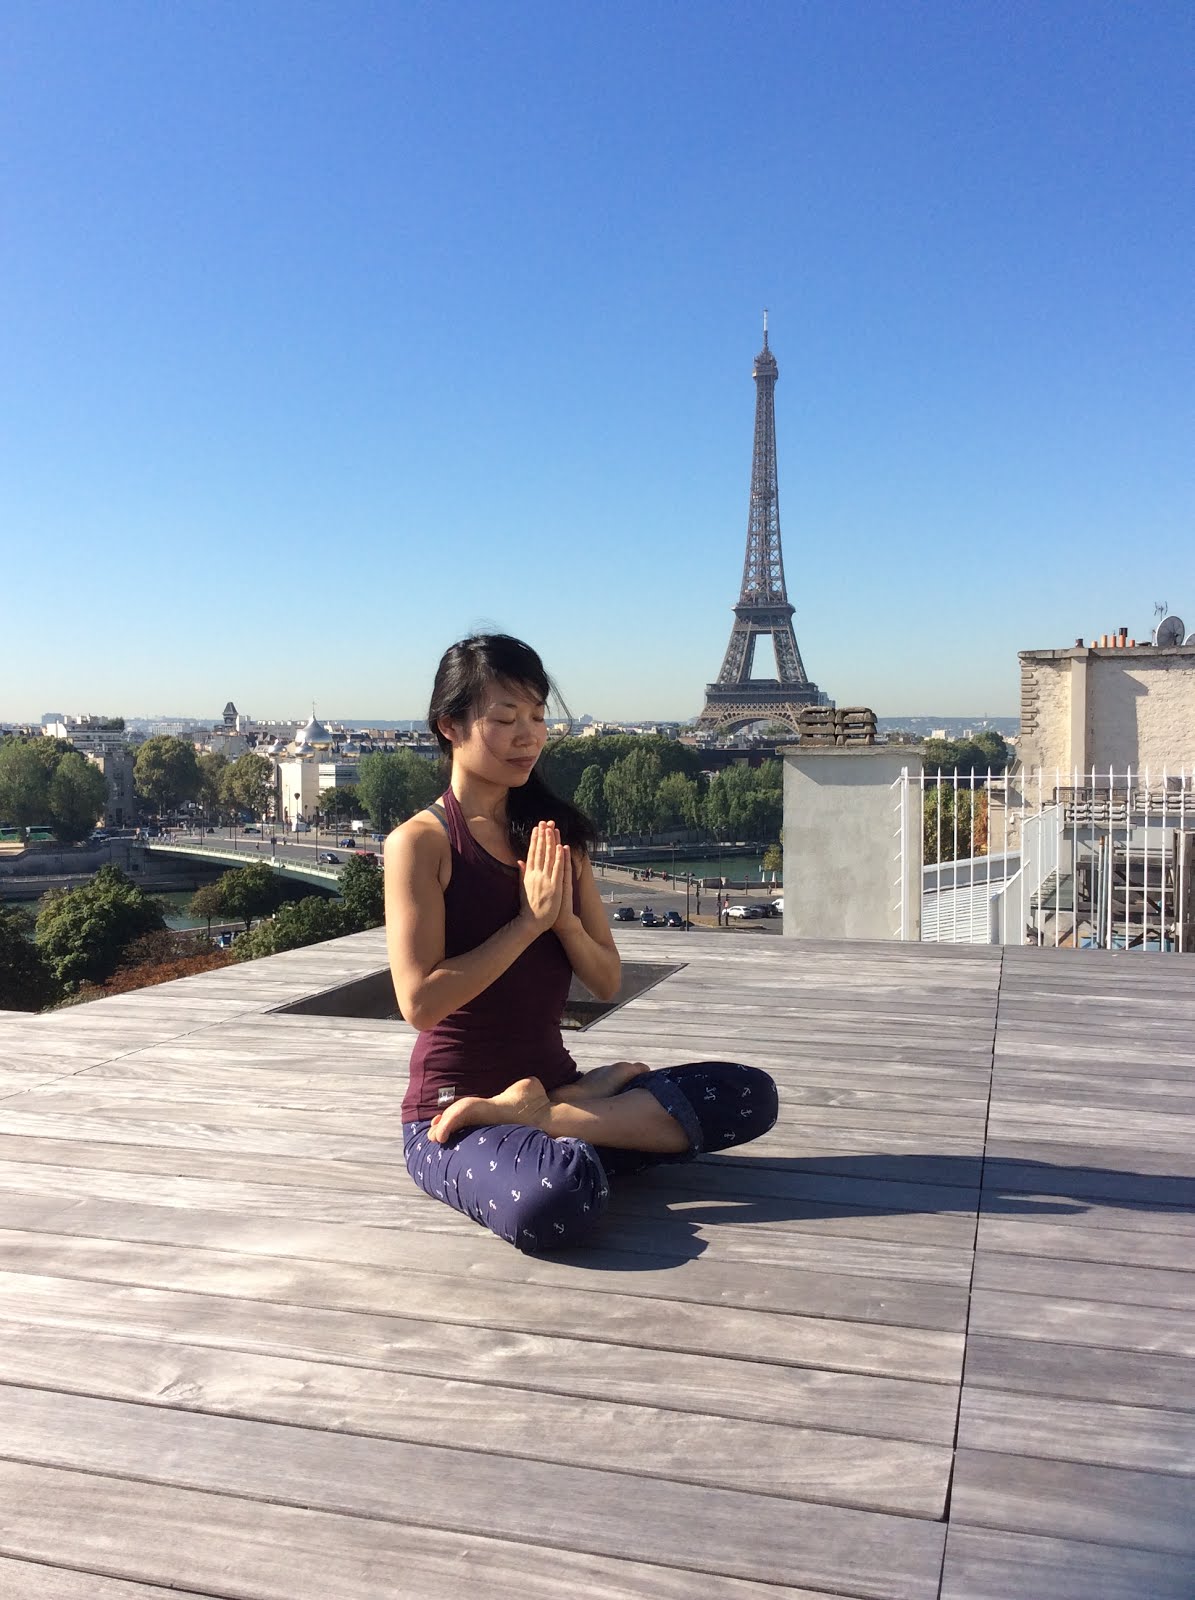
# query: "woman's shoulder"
{"type": "Point", "coordinates": [420, 840]}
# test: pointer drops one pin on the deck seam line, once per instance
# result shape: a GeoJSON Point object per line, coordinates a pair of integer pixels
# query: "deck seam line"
{"type": "Point", "coordinates": [958, 1418]}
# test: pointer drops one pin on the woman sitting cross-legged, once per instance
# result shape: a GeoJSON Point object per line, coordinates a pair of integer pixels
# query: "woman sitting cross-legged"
{"type": "Point", "coordinates": [491, 906]}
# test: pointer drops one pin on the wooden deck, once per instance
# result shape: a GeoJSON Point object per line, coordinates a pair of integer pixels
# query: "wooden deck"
{"type": "Point", "coordinates": [932, 1337]}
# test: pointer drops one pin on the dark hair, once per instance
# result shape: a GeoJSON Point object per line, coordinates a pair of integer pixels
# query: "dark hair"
{"type": "Point", "coordinates": [466, 670]}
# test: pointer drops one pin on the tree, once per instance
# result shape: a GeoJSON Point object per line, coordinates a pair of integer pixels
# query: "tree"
{"type": "Point", "coordinates": [166, 772]}
{"type": "Point", "coordinates": [590, 796]}
{"type": "Point", "coordinates": [392, 787]}
{"type": "Point", "coordinates": [208, 902]}
{"type": "Point", "coordinates": [249, 783]}
{"type": "Point", "coordinates": [678, 802]}
{"type": "Point", "coordinates": [336, 804]}
{"type": "Point", "coordinates": [248, 892]}
{"type": "Point", "coordinates": [307, 921]}
{"type": "Point", "coordinates": [773, 859]}
{"type": "Point", "coordinates": [24, 784]}
{"type": "Point", "coordinates": [361, 893]}
{"type": "Point", "coordinates": [26, 982]}
{"type": "Point", "coordinates": [969, 757]}
{"type": "Point", "coordinates": [955, 822]}
{"type": "Point", "coordinates": [77, 793]}
{"type": "Point", "coordinates": [563, 762]}
{"type": "Point", "coordinates": [745, 804]}
{"type": "Point", "coordinates": [212, 767]}
{"type": "Point", "coordinates": [83, 933]}
{"type": "Point", "coordinates": [630, 792]}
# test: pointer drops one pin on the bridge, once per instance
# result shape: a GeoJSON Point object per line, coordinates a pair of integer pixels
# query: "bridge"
{"type": "Point", "coordinates": [283, 857]}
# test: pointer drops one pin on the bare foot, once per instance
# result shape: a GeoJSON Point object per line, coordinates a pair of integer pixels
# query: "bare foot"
{"type": "Point", "coordinates": [525, 1101]}
{"type": "Point", "coordinates": [601, 1083]}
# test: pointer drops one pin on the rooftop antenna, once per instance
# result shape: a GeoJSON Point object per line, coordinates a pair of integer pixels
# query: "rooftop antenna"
{"type": "Point", "coordinates": [765, 327]}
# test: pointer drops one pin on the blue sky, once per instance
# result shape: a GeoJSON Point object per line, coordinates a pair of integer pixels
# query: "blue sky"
{"type": "Point", "coordinates": [332, 331]}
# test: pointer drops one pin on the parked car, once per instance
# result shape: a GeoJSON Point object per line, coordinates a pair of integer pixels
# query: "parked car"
{"type": "Point", "coordinates": [251, 827]}
{"type": "Point", "coordinates": [625, 914]}
{"type": "Point", "coordinates": [329, 855]}
{"type": "Point", "coordinates": [740, 913]}
{"type": "Point", "coordinates": [673, 919]}
{"type": "Point", "coordinates": [346, 844]}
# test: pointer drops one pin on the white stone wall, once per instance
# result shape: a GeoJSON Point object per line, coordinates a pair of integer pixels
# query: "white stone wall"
{"type": "Point", "coordinates": [1141, 712]}
{"type": "Point", "coordinates": [1045, 713]}
{"type": "Point", "coordinates": [1138, 710]}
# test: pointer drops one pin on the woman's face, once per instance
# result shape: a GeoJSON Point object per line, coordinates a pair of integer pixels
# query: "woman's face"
{"type": "Point", "coordinates": [501, 741]}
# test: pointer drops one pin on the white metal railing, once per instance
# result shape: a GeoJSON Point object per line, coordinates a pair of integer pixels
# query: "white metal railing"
{"type": "Point", "coordinates": [1100, 859]}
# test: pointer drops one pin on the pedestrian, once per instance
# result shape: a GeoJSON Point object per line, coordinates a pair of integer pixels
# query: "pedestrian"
{"type": "Point", "coordinates": [491, 909]}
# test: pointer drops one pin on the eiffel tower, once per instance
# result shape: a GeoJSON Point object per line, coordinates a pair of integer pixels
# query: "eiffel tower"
{"type": "Point", "coordinates": [737, 698]}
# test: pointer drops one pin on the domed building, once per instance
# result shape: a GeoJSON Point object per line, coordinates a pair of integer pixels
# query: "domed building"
{"type": "Point", "coordinates": [313, 739]}
{"type": "Point", "coordinates": [308, 766]}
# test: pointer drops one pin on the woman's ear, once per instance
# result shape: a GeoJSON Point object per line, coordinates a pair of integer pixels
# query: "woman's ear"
{"type": "Point", "coordinates": [452, 731]}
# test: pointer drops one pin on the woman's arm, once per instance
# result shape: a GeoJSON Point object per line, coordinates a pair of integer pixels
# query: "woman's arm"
{"type": "Point", "coordinates": [586, 935]}
{"type": "Point", "coordinates": [428, 986]}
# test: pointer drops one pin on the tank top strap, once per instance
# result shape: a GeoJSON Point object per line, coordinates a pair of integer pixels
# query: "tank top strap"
{"type": "Point", "coordinates": [463, 842]}
{"type": "Point", "coordinates": [464, 845]}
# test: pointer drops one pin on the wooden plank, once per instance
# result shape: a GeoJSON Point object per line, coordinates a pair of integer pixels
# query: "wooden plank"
{"type": "Point", "coordinates": [1101, 1432]}
{"type": "Point", "coordinates": [256, 1550]}
{"type": "Point", "coordinates": [834, 1466]}
{"type": "Point", "coordinates": [646, 1286]}
{"type": "Point", "coordinates": [1083, 1280]}
{"type": "Point", "coordinates": [883, 1405]}
{"type": "Point", "coordinates": [1083, 1322]}
{"type": "Point", "coordinates": [1015, 1236]}
{"type": "Point", "coordinates": [1104, 1179]}
{"type": "Point", "coordinates": [25, 1580]}
{"type": "Point", "coordinates": [772, 1248]}
{"type": "Point", "coordinates": [630, 1319]}
{"type": "Point", "coordinates": [719, 1531]}
{"type": "Point", "coordinates": [1034, 1367]}
{"type": "Point", "coordinates": [986, 1564]}
{"type": "Point", "coordinates": [1071, 1500]}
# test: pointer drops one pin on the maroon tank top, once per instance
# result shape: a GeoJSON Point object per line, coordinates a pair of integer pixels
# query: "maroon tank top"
{"type": "Point", "coordinates": [510, 1030]}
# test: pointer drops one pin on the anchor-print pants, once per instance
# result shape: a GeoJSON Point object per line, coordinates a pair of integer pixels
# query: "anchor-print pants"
{"type": "Point", "coordinates": [541, 1193]}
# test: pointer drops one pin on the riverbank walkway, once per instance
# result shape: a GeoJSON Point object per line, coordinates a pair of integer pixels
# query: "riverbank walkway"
{"type": "Point", "coordinates": [930, 1339]}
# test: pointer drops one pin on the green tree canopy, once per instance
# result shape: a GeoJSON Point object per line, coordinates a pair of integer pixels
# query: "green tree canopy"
{"type": "Point", "coordinates": [361, 894]}
{"type": "Point", "coordinates": [166, 772]}
{"type": "Point", "coordinates": [630, 792]}
{"type": "Point", "coordinates": [307, 921]}
{"type": "Point", "coordinates": [78, 791]}
{"type": "Point", "coordinates": [340, 804]}
{"type": "Point", "coordinates": [248, 892]}
{"type": "Point", "coordinates": [973, 757]}
{"type": "Point", "coordinates": [24, 784]}
{"type": "Point", "coordinates": [678, 802]}
{"type": "Point", "coordinates": [208, 902]}
{"type": "Point", "coordinates": [392, 787]}
{"type": "Point", "coordinates": [212, 767]}
{"type": "Point", "coordinates": [742, 803]}
{"type": "Point", "coordinates": [83, 933]}
{"type": "Point", "coordinates": [564, 761]}
{"type": "Point", "coordinates": [590, 796]}
{"type": "Point", "coordinates": [26, 982]}
{"type": "Point", "coordinates": [954, 822]}
{"type": "Point", "coordinates": [249, 783]}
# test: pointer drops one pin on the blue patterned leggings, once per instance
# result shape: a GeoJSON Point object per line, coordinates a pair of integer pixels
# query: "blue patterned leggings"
{"type": "Point", "coordinates": [541, 1193]}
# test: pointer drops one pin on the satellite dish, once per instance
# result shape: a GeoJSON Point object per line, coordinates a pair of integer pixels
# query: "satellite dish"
{"type": "Point", "coordinates": [1191, 641]}
{"type": "Point", "coordinates": [1170, 632]}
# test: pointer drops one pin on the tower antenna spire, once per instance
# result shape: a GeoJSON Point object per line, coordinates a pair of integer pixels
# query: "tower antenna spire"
{"type": "Point", "coordinates": [765, 327]}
